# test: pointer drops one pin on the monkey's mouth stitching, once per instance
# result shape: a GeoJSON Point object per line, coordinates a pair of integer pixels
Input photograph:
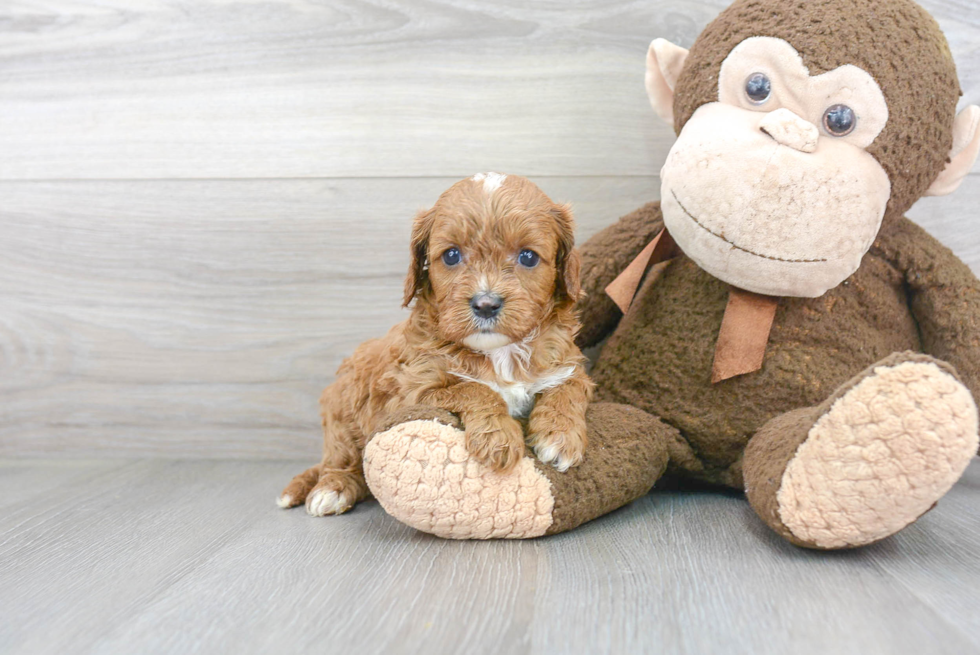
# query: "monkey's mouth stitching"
{"type": "Point", "coordinates": [735, 245]}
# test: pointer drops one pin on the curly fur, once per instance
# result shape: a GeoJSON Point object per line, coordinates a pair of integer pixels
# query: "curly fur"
{"type": "Point", "coordinates": [426, 359]}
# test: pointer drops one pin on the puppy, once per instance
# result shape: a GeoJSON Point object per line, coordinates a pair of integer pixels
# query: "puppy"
{"type": "Point", "coordinates": [493, 278]}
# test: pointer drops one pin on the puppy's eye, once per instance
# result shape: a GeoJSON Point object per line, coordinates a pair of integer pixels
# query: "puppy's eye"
{"type": "Point", "coordinates": [451, 257]}
{"type": "Point", "coordinates": [839, 120]}
{"type": "Point", "coordinates": [528, 258]}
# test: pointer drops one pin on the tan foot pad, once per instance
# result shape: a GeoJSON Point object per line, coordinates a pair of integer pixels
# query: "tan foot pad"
{"type": "Point", "coordinates": [883, 454]}
{"type": "Point", "coordinates": [423, 476]}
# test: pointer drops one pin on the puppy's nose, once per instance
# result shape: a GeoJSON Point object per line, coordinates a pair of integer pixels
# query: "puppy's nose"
{"type": "Point", "coordinates": [486, 305]}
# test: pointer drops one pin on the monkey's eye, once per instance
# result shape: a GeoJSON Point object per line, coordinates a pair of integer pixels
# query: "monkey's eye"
{"type": "Point", "coordinates": [839, 120]}
{"type": "Point", "coordinates": [528, 258]}
{"type": "Point", "coordinates": [758, 88]}
{"type": "Point", "coordinates": [451, 257]}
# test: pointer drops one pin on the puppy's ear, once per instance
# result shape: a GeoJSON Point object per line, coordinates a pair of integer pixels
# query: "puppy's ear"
{"type": "Point", "coordinates": [417, 281]}
{"type": "Point", "coordinates": [572, 276]}
{"type": "Point", "coordinates": [568, 263]}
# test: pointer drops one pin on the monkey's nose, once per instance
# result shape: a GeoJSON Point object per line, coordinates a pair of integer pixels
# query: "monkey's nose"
{"type": "Point", "coordinates": [788, 129]}
{"type": "Point", "coordinates": [486, 305]}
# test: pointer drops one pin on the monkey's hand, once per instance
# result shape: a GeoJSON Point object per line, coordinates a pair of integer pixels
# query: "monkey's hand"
{"type": "Point", "coordinates": [944, 296]}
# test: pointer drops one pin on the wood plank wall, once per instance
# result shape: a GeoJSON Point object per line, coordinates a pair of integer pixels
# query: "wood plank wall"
{"type": "Point", "coordinates": [205, 204]}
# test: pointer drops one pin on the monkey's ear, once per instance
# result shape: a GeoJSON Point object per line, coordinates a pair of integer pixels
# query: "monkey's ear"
{"type": "Point", "coordinates": [966, 146]}
{"type": "Point", "coordinates": [418, 270]}
{"type": "Point", "coordinates": [664, 63]}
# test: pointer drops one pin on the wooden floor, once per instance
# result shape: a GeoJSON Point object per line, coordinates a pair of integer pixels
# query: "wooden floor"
{"type": "Point", "coordinates": [158, 556]}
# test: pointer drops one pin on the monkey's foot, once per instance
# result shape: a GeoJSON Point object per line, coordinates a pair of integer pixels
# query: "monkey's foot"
{"type": "Point", "coordinates": [422, 474]}
{"type": "Point", "coordinates": [869, 461]}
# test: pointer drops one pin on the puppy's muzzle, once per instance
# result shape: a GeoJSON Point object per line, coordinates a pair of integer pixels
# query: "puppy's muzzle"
{"type": "Point", "coordinates": [486, 305]}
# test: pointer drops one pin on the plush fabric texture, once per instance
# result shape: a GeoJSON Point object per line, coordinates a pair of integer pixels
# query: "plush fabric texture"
{"type": "Point", "coordinates": [883, 454]}
{"type": "Point", "coordinates": [660, 356]}
{"type": "Point", "coordinates": [788, 129]}
{"type": "Point", "coordinates": [748, 188]}
{"type": "Point", "coordinates": [631, 450]}
{"type": "Point", "coordinates": [754, 213]}
{"type": "Point", "coordinates": [944, 295]}
{"type": "Point", "coordinates": [766, 458]}
{"type": "Point", "coordinates": [869, 460]}
{"type": "Point", "coordinates": [611, 251]}
{"type": "Point", "coordinates": [690, 428]}
{"type": "Point", "coordinates": [420, 413]}
{"type": "Point", "coordinates": [802, 94]}
{"type": "Point", "coordinates": [875, 35]}
{"type": "Point", "coordinates": [422, 474]}
{"type": "Point", "coordinates": [883, 343]}
{"type": "Point", "coordinates": [668, 60]}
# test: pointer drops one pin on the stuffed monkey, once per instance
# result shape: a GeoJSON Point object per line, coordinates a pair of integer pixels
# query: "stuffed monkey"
{"type": "Point", "coordinates": [774, 323]}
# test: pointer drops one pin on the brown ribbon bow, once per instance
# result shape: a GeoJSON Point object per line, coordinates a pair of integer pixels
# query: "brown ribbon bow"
{"type": "Point", "coordinates": [745, 328]}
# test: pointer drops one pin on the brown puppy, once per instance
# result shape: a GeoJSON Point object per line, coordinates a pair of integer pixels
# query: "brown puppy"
{"type": "Point", "coordinates": [490, 338]}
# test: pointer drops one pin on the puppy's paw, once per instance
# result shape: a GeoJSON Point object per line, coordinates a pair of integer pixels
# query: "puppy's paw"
{"type": "Point", "coordinates": [323, 502]}
{"type": "Point", "coordinates": [286, 501]}
{"type": "Point", "coordinates": [496, 440]}
{"type": "Point", "coordinates": [560, 443]}
{"type": "Point", "coordinates": [335, 492]}
{"type": "Point", "coordinates": [298, 489]}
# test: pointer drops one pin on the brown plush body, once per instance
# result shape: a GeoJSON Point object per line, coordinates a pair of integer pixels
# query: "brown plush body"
{"type": "Point", "coordinates": [658, 357]}
{"type": "Point", "coordinates": [801, 144]}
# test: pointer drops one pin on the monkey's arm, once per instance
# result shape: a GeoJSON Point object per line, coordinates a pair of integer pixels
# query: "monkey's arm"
{"type": "Point", "coordinates": [604, 257]}
{"type": "Point", "coordinates": [944, 296]}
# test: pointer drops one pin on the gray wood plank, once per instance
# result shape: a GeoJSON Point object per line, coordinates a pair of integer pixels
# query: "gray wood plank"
{"type": "Point", "coordinates": [297, 88]}
{"type": "Point", "coordinates": [193, 557]}
{"type": "Point", "coordinates": [936, 558]}
{"type": "Point", "coordinates": [76, 563]}
{"type": "Point", "coordinates": [23, 481]}
{"type": "Point", "coordinates": [202, 318]}
{"type": "Point", "coordinates": [709, 577]}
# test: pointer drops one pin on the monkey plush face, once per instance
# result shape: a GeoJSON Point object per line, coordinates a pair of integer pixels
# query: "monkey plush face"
{"type": "Point", "coordinates": [784, 167]}
{"type": "Point", "coordinates": [771, 185]}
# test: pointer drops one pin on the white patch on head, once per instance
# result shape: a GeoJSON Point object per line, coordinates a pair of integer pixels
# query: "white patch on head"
{"type": "Point", "coordinates": [491, 181]}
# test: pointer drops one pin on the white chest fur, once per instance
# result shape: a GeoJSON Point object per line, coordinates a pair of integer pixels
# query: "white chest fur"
{"type": "Point", "coordinates": [519, 396]}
